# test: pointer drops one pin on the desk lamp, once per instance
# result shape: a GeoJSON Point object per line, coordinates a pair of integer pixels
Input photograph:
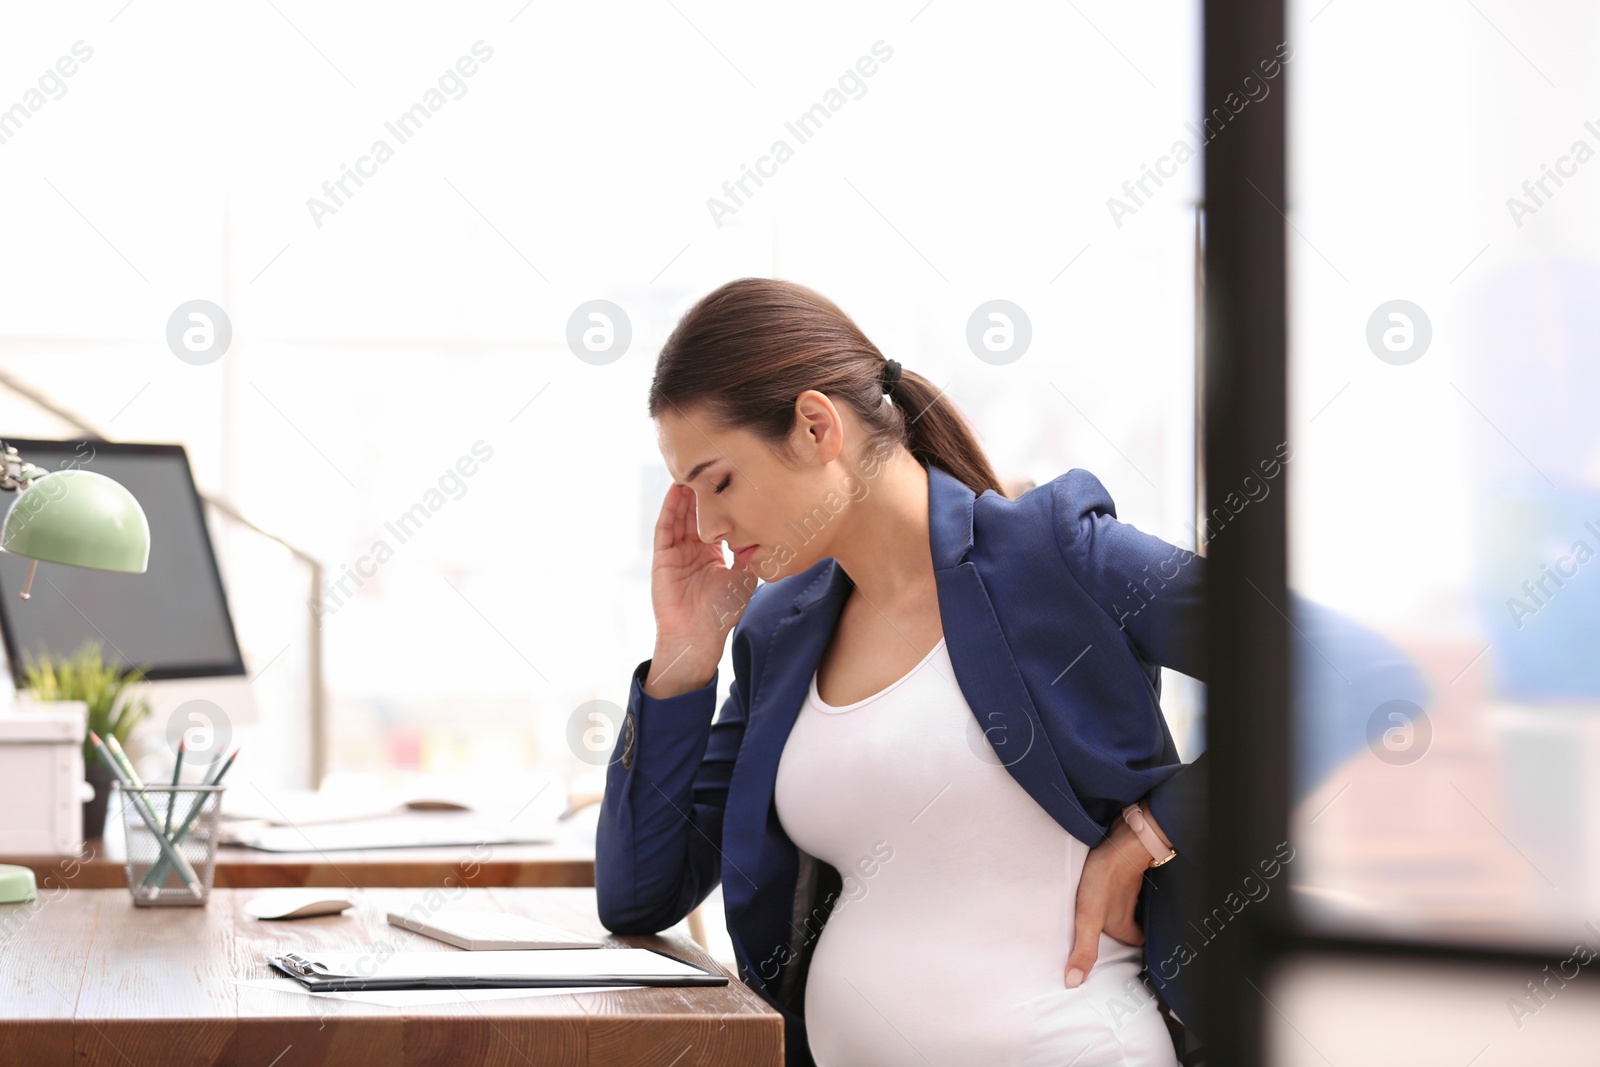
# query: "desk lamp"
{"type": "Point", "coordinates": [74, 517]}
{"type": "Point", "coordinates": [71, 516]}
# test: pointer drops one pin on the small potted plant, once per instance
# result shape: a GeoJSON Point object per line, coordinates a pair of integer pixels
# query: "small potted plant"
{"type": "Point", "coordinates": [116, 705]}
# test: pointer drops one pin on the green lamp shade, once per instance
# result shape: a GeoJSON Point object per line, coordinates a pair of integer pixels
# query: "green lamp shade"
{"type": "Point", "coordinates": [79, 518]}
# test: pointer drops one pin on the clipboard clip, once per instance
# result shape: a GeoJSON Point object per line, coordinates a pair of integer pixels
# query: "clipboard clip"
{"type": "Point", "coordinates": [299, 964]}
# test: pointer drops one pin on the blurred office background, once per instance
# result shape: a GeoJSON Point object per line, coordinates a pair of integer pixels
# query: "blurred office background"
{"type": "Point", "coordinates": [1446, 491]}
{"type": "Point", "coordinates": [1446, 485]}
{"type": "Point", "coordinates": [430, 311]}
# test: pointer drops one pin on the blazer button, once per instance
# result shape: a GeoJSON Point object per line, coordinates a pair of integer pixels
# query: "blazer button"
{"type": "Point", "coordinates": [627, 742]}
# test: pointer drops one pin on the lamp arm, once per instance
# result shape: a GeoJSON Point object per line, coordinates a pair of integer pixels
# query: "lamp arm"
{"type": "Point", "coordinates": [16, 472]}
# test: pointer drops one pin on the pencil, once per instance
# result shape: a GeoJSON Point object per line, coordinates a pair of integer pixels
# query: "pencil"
{"type": "Point", "coordinates": [186, 871]}
{"type": "Point", "coordinates": [129, 780]}
{"type": "Point", "coordinates": [172, 797]}
{"type": "Point", "coordinates": [158, 872]}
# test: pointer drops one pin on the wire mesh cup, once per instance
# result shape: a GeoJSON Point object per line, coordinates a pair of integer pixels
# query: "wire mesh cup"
{"type": "Point", "coordinates": [172, 842]}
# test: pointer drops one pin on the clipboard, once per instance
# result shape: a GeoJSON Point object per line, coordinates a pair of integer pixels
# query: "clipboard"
{"type": "Point", "coordinates": [337, 972]}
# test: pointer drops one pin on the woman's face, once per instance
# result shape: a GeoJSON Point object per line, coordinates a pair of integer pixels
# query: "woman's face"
{"type": "Point", "coordinates": [746, 495]}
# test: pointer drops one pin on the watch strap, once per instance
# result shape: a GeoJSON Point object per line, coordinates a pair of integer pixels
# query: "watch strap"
{"type": "Point", "coordinates": [1159, 853]}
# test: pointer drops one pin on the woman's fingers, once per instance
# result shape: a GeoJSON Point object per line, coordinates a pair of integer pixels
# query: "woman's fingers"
{"type": "Point", "coordinates": [1122, 925]}
{"type": "Point", "coordinates": [1128, 933]}
{"type": "Point", "coordinates": [677, 519]}
{"type": "Point", "coordinates": [1085, 940]}
{"type": "Point", "coordinates": [667, 522]}
{"type": "Point", "coordinates": [1108, 896]}
{"type": "Point", "coordinates": [678, 526]}
{"type": "Point", "coordinates": [690, 531]}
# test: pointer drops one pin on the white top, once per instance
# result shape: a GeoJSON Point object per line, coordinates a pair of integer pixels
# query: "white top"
{"type": "Point", "coordinates": [949, 942]}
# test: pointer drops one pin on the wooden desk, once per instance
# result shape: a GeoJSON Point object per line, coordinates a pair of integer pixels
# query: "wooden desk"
{"type": "Point", "coordinates": [87, 979]}
{"type": "Point", "coordinates": [563, 863]}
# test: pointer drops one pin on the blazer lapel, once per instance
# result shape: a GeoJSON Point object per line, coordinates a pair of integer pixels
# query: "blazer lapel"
{"type": "Point", "coordinates": [756, 843]}
{"type": "Point", "coordinates": [986, 672]}
{"type": "Point", "coordinates": [792, 656]}
{"type": "Point", "coordinates": [992, 684]}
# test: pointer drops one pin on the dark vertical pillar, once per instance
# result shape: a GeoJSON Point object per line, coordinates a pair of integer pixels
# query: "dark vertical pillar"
{"type": "Point", "coordinates": [1245, 416]}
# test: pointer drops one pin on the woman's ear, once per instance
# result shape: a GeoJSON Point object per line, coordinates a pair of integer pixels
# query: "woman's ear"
{"type": "Point", "coordinates": [819, 427]}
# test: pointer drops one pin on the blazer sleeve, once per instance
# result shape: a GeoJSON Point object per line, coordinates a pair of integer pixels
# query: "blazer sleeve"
{"type": "Point", "coordinates": [658, 844]}
{"type": "Point", "coordinates": [1341, 671]}
{"type": "Point", "coordinates": [1156, 592]}
{"type": "Point", "coordinates": [1153, 589]}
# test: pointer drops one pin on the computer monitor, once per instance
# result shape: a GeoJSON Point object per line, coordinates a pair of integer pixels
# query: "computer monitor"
{"type": "Point", "coordinates": [173, 620]}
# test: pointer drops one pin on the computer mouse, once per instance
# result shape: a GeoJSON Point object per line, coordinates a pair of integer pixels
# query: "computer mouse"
{"type": "Point", "coordinates": [430, 804]}
{"type": "Point", "coordinates": [297, 903]}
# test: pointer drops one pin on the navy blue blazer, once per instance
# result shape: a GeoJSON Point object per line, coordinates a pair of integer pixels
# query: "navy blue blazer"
{"type": "Point", "coordinates": [1057, 619]}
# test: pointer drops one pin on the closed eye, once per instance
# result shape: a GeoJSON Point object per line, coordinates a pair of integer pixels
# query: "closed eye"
{"type": "Point", "coordinates": [724, 484]}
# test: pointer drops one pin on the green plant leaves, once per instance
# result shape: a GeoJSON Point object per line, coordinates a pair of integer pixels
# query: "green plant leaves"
{"type": "Point", "coordinates": [116, 702]}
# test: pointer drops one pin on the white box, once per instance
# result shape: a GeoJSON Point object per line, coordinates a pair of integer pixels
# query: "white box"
{"type": "Point", "coordinates": [41, 768]}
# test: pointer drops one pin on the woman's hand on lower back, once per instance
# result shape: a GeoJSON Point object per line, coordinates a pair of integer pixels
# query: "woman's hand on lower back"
{"type": "Point", "coordinates": [1108, 893]}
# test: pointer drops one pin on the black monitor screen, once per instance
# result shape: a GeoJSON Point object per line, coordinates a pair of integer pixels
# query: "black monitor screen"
{"type": "Point", "coordinates": [173, 619]}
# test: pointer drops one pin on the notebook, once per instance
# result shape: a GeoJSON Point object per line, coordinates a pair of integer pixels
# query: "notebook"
{"type": "Point", "coordinates": [333, 972]}
{"type": "Point", "coordinates": [480, 931]}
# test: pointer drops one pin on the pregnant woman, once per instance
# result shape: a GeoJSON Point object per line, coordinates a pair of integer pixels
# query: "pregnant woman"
{"type": "Point", "coordinates": [941, 777]}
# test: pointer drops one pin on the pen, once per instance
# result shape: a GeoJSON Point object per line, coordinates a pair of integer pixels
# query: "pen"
{"type": "Point", "coordinates": [129, 779]}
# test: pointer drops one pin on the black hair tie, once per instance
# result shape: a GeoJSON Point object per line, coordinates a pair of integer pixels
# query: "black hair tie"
{"type": "Point", "coordinates": [891, 374]}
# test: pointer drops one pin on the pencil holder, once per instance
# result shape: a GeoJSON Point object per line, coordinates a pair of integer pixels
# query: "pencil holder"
{"type": "Point", "coordinates": [172, 842]}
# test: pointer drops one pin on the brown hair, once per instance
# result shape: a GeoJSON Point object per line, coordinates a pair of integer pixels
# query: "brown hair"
{"type": "Point", "coordinates": [748, 349]}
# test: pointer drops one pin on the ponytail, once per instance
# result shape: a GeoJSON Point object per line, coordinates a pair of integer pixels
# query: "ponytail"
{"type": "Point", "coordinates": [937, 434]}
